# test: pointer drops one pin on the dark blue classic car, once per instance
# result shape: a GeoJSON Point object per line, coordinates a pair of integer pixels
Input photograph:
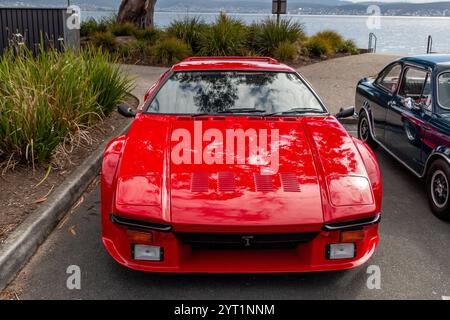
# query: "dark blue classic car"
{"type": "Point", "coordinates": [406, 110]}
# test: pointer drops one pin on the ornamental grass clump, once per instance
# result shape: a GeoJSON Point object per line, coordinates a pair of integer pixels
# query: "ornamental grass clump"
{"type": "Point", "coordinates": [44, 99]}
{"type": "Point", "coordinates": [190, 30]}
{"type": "Point", "coordinates": [225, 37]}
{"type": "Point", "coordinates": [266, 36]}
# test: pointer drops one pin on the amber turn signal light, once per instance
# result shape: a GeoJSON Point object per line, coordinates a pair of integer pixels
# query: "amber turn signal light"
{"type": "Point", "coordinates": [352, 236]}
{"type": "Point", "coordinates": [139, 236]}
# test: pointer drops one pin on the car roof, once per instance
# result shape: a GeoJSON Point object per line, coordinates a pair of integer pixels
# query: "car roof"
{"type": "Point", "coordinates": [430, 60]}
{"type": "Point", "coordinates": [231, 63]}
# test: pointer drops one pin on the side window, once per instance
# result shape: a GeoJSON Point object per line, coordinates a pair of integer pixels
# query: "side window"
{"type": "Point", "coordinates": [444, 90]}
{"type": "Point", "coordinates": [416, 85]}
{"type": "Point", "coordinates": [390, 78]}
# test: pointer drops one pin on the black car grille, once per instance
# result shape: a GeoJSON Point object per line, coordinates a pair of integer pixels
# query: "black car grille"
{"type": "Point", "coordinates": [244, 241]}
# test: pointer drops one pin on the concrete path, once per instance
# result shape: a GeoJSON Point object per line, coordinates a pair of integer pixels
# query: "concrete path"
{"type": "Point", "coordinates": [144, 77]}
{"type": "Point", "coordinates": [334, 80]}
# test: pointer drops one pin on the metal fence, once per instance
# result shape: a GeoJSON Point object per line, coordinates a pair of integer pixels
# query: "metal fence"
{"type": "Point", "coordinates": [34, 25]}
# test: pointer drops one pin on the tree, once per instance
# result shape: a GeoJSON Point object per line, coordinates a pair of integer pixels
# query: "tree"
{"type": "Point", "coordinates": [138, 12]}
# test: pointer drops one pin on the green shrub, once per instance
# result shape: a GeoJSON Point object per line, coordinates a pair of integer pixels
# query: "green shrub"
{"type": "Point", "coordinates": [123, 52]}
{"type": "Point", "coordinates": [91, 26]}
{"type": "Point", "coordinates": [330, 42]}
{"type": "Point", "coordinates": [105, 40]}
{"type": "Point", "coordinates": [251, 38]}
{"type": "Point", "coordinates": [268, 34]}
{"type": "Point", "coordinates": [123, 29]}
{"type": "Point", "coordinates": [107, 82]}
{"type": "Point", "coordinates": [148, 36]}
{"type": "Point", "coordinates": [286, 51]}
{"type": "Point", "coordinates": [190, 30]}
{"type": "Point", "coordinates": [169, 51]}
{"type": "Point", "coordinates": [332, 37]}
{"type": "Point", "coordinates": [319, 47]}
{"type": "Point", "coordinates": [226, 37]}
{"type": "Point", "coordinates": [44, 99]}
{"type": "Point", "coordinates": [348, 46]}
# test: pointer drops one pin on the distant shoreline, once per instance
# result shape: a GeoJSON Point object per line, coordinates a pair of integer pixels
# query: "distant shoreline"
{"type": "Point", "coordinates": [288, 15]}
{"type": "Point", "coordinates": [244, 13]}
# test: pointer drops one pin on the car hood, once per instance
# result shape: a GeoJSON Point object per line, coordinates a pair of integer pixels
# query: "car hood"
{"type": "Point", "coordinates": [284, 185]}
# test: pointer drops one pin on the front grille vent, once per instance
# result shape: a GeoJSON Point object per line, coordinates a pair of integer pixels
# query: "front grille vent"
{"type": "Point", "coordinates": [218, 241]}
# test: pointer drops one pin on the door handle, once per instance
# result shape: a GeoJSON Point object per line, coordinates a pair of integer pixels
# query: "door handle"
{"type": "Point", "coordinates": [392, 104]}
{"type": "Point", "coordinates": [425, 128]}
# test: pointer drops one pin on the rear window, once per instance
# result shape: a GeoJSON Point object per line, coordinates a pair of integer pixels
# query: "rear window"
{"type": "Point", "coordinates": [218, 92]}
{"type": "Point", "coordinates": [444, 90]}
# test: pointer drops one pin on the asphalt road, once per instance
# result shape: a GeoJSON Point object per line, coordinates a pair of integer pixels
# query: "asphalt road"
{"type": "Point", "coordinates": [413, 258]}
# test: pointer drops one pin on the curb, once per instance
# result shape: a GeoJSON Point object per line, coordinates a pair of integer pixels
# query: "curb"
{"type": "Point", "coordinates": [20, 246]}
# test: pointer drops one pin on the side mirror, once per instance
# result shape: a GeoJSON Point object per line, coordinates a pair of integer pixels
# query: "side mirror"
{"type": "Point", "coordinates": [126, 111]}
{"type": "Point", "coordinates": [345, 113]}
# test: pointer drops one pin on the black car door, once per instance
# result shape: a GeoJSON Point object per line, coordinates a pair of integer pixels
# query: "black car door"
{"type": "Point", "coordinates": [408, 112]}
{"type": "Point", "coordinates": [386, 86]}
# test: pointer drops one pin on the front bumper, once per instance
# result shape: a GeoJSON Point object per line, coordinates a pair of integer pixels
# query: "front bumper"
{"type": "Point", "coordinates": [179, 257]}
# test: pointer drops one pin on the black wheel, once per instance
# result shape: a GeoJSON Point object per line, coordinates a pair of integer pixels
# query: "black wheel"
{"type": "Point", "coordinates": [438, 189]}
{"type": "Point", "coordinates": [364, 130]}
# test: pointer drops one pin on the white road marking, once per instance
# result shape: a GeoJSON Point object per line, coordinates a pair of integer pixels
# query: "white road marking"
{"type": "Point", "coordinates": [445, 297]}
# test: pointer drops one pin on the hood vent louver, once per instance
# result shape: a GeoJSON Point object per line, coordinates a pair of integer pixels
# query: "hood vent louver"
{"type": "Point", "coordinates": [289, 182]}
{"type": "Point", "coordinates": [226, 182]}
{"type": "Point", "coordinates": [199, 182]}
{"type": "Point", "coordinates": [263, 183]}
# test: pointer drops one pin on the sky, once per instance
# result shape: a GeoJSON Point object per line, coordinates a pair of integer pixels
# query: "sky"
{"type": "Point", "coordinates": [413, 1]}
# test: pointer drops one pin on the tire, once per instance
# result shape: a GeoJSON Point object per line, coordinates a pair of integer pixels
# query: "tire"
{"type": "Point", "coordinates": [364, 131]}
{"type": "Point", "coordinates": [438, 189]}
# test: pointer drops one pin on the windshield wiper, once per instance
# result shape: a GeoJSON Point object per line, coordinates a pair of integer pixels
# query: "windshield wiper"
{"type": "Point", "coordinates": [297, 111]}
{"type": "Point", "coordinates": [242, 110]}
{"type": "Point", "coordinates": [229, 111]}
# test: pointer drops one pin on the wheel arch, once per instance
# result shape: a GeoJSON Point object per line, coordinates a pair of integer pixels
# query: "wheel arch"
{"type": "Point", "coordinates": [441, 152]}
{"type": "Point", "coordinates": [368, 111]}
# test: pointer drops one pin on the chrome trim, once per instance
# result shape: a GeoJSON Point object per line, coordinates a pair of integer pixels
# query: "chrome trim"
{"type": "Point", "coordinates": [437, 89]}
{"type": "Point", "coordinates": [352, 224]}
{"type": "Point", "coordinates": [139, 224]}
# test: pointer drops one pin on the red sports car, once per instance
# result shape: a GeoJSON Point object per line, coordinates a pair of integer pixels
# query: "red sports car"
{"type": "Point", "coordinates": [234, 165]}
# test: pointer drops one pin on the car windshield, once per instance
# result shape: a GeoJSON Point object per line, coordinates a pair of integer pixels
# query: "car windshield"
{"type": "Point", "coordinates": [444, 90]}
{"type": "Point", "coordinates": [219, 92]}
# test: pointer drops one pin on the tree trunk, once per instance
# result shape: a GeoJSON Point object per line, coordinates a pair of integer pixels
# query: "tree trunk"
{"type": "Point", "coordinates": [138, 12]}
{"type": "Point", "coordinates": [149, 13]}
